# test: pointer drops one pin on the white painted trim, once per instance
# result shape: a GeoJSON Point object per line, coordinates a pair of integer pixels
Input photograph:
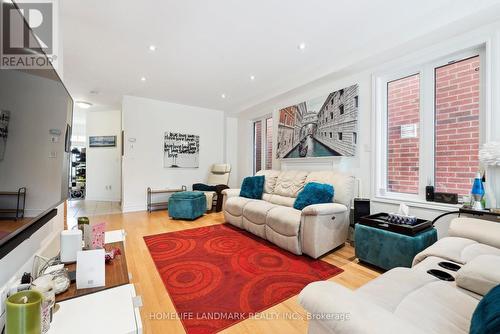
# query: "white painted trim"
{"type": "Point", "coordinates": [134, 208]}
{"type": "Point", "coordinates": [417, 203]}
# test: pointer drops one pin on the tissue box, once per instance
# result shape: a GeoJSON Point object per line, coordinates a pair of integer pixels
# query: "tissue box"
{"type": "Point", "coordinates": [395, 218]}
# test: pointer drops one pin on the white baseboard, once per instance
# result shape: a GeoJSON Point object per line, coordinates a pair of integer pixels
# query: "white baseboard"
{"type": "Point", "coordinates": [102, 199]}
{"type": "Point", "coordinates": [134, 208]}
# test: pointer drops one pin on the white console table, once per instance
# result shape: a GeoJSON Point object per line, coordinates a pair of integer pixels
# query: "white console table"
{"type": "Point", "coordinates": [111, 311]}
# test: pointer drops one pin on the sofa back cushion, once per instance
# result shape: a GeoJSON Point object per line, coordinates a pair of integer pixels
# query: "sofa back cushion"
{"type": "Point", "coordinates": [270, 179]}
{"type": "Point", "coordinates": [342, 182]}
{"type": "Point", "coordinates": [290, 183]}
{"type": "Point", "coordinates": [480, 230]}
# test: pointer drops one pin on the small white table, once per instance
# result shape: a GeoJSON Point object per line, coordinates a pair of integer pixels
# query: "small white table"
{"type": "Point", "coordinates": [111, 311]}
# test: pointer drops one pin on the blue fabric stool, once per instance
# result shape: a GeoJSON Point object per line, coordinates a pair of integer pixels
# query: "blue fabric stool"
{"type": "Point", "coordinates": [388, 250]}
{"type": "Point", "coordinates": [187, 205]}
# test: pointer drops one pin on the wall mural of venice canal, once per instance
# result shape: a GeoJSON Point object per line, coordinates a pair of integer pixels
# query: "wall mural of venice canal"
{"type": "Point", "coordinates": [321, 127]}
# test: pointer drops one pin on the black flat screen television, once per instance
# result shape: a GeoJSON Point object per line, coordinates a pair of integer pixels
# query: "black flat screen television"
{"type": "Point", "coordinates": [35, 113]}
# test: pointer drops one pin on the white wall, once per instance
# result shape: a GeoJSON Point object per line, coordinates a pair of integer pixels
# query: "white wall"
{"type": "Point", "coordinates": [455, 37]}
{"type": "Point", "coordinates": [104, 163]}
{"type": "Point", "coordinates": [231, 150]}
{"type": "Point", "coordinates": [145, 122]}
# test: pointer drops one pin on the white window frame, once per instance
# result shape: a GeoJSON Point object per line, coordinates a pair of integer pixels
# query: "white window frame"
{"type": "Point", "coordinates": [263, 137]}
{"type": "Point", "coordinates": [427, 118]}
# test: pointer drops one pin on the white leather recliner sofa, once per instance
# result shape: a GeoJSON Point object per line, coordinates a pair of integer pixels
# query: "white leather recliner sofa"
{"type": "Point", "coordinates": [315, 230]}
{"type": "Point", "coordinates": [409, 300]}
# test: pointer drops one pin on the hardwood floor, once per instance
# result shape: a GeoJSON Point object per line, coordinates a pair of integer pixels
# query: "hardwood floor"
{"type": "Point", "coordinates": [287, 317]}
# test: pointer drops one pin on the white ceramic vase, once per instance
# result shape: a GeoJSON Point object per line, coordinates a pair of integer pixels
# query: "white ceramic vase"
{"type": "Point", "coordinates": [492, 186]}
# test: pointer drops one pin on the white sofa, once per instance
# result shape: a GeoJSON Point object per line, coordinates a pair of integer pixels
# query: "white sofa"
{"type": "Point", "coordinates": [315, 230]}
{"type": "Point", "coordinates": [409, 300]}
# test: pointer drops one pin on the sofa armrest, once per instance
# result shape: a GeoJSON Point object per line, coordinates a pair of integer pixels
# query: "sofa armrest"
{"type": "Point", "coordinates": [228, 193]}
{"type": "Point", "coordinates": [324, 209]}
{"type": "Point", "coordinates": [324, 227]}
{"type": "Point", "coordinates": [340, 310]}
{"type": "Point", "coordinates": [231, 192]}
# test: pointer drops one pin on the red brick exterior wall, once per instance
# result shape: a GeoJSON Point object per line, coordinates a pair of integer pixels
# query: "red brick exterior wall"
{"type": "Point", "coordinates": [403, 108]}
{"type": "Point", "coordinates": [257, 130]}
{"type": "Point", "coordinates": [457, 126]}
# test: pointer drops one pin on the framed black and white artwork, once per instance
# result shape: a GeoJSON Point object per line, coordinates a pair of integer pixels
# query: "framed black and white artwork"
{"type": "Point", "coordinates": [102, 141]}
{"type": "Point", "coordinates": [321, 127]}
{"type": "Point", "coordinates": [181, 150]}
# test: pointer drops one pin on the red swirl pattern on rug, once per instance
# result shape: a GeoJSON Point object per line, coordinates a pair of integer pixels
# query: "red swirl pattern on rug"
{"type": "Point", "coordinates": [219, 275]}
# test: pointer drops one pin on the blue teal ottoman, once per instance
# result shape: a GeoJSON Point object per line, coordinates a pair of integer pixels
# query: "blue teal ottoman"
{"type": "Point", "coordinates": [187, 205]}
{"type": "Point", "coordinates": [388, 250]}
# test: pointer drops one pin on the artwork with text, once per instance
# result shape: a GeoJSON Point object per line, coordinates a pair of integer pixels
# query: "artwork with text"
{"type": "Point", "coordinates": [322, 127]}
{"type": "Point", "coordinates": [181, 150]}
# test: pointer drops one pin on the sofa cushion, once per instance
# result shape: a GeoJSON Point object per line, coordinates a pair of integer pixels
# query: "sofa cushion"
{"type": "Point", "coordinates": [270, 179]}
{"type": "Point", "coordinates": [290, 183]}
{"type": "Point", "coordinates": [235, 205]}
{"type": "Point", "coordinates": [486, 316]}
{"type": "Point", "coordinates": [281, 200]}
{"type": "Point", "coordinates": [480, 275]}
{"type": "Point", "coordinates": [399, 282]}
{"type": "Point", "coordinates": [252, 187]}
{"type": "Point", "coordinates": [438, 307]}
{"type": "Point", "coordinates": [284, 220]}
{"type": "Point", "coordinates": [342, 182]}
{"type": "Point", "coordinates": [256, 211]}
{"type": "Point", "coordinates": [480, 230]}
{"type": "Point", "coordinates": [314, 193]}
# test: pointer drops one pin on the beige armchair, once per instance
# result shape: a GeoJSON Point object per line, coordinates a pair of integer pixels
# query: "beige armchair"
{"type": "Point", "coordinates": [217, 181]}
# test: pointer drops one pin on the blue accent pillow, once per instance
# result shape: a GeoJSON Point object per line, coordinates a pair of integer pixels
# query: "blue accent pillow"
{"type": "Point", "coordinates": [252, 187]}
{"type": "Point", "coordinates": [314, 193]}
{"type": "Point", "coordinates": [486, 316]}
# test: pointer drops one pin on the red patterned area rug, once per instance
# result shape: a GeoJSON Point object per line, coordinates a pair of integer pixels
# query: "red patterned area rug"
{"type": "Point", "coordinates": [219, 275]}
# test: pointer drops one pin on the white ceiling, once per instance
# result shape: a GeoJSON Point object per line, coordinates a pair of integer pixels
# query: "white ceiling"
{"type": "Point", "coordinates": [206, 48]}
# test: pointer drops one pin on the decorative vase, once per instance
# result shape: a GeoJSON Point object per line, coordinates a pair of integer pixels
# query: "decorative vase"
{"type": "Point", "coordinates": [493, 186]}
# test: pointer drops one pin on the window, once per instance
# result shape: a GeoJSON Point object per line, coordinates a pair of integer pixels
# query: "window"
{"type": "Point", "coordinates": [429, 127]}
{"type": "Point", "coordinates": [331, 115]}
{"type": "Point", "coordinates": [331, 135]}
{"type": "Point", "coordinates": [257, 146]}
{"type": "Point", "coordinates": [356, 101]}
{"type": "Point", "coordinates": [354, 137]}
{"type": "Point", "coordinates": [341, 109]}
{"type": "Point", "coordinates": [339, 134]}
{"type": "Point", "coordinates": [403, 110]}
{"type": "Point", "coordinates": [269, 143]}
{"type": "Point", "coordinates": [263, 143]}
{"type": "Point", "coordinates": [457, 125]}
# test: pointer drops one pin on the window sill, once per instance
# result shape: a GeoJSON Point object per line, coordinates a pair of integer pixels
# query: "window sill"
{"type": "Point", "coordinates": [417, 203]}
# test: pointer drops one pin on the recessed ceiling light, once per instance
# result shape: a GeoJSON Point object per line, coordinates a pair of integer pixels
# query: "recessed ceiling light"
{"type": "Point", "coordinates": [223, 95]}
{"type": "Point", "coordinates": [301, 46]}
{"type": "Point", "coordinates": [252, 77]}
{"type": "Point", "coordinates": [143, 78]}
{"type": "Point", "coordinates": [152, 48]}
{"type": "Point", "coordinates": [83, 104]}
